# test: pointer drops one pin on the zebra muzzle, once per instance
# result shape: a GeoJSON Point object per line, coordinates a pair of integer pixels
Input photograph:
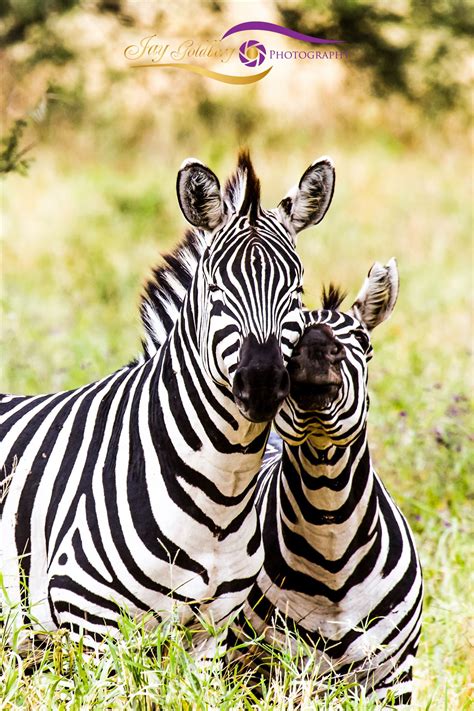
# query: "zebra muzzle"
{"type": "Point", "coordinates": [315, 368]}
{"type": "Point", "coordinates": [261, 381]}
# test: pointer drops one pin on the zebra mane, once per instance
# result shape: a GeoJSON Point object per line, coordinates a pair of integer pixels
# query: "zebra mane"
{"type": "Point", "coordinates": [332, 297]}
{"type": "Point", "coordinates": [242, 189]}
{"type": "Point", "coordinates": [164, 291]}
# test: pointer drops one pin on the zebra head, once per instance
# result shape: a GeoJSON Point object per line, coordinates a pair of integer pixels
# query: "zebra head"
{"type": "Point", "coordinates": [250, 278]}
{"type": "Point", "coordinates": [328, 369]}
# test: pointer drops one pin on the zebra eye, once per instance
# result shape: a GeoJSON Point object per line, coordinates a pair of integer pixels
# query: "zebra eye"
{"type": "Point", "coordinates": [213, 288]}
{"type": "Point", "coordinates": [363, 339]}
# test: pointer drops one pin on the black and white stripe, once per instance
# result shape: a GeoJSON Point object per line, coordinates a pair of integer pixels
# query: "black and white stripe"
{"type": "Point", "coordinates": [138, 490]}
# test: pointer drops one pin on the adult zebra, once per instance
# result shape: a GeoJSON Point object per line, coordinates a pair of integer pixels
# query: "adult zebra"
{"type": "Point", "coordinates": [340, 565]}
{"type": "Point", "coordinates": [138, 490]}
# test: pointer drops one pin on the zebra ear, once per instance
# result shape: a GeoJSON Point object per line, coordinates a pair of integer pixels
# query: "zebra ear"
{"type": "Point", "coordinates": [199, 195]}
{"type": "Point", "coordinates": [377, 298]}
{"type": "Point", "coordinates": [307, 203]}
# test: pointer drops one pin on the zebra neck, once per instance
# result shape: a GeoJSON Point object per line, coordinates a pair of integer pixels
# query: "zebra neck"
{"type": "Point", "coordinates": [326, 496]}
{"type": "Point", "coordinates": [197, 424]}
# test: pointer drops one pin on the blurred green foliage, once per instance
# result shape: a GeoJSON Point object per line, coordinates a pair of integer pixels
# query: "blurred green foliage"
{"type": "Point", "coordinates": [20, 15]}
{"type": "Point", "coordinates": [12, 158]}
{"type": "Point", "coordinates": [419, 49]}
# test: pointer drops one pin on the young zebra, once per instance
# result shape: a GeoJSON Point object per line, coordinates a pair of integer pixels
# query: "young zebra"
{"type": "Point", "coordinates": [340, 563]}
{"type": "Point", "coordinates": [138, 490]}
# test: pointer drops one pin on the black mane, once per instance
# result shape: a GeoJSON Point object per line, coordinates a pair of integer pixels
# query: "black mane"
{"type": "Point", "coordinates": [332, 297]}
{"type": "Point", "coordinates": [165, 289]}
{"type": "Point", "coordinates": [244, 179]}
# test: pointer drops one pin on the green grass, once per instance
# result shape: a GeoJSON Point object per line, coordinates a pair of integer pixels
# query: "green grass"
{"type": "Point", "coordinates": [73, 264]}
{"type": "Point", "coordinates": [149, 669]}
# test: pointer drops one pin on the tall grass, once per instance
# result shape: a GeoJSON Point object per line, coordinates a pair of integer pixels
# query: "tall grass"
{"type": "Point", "coordinates": [80, 236]}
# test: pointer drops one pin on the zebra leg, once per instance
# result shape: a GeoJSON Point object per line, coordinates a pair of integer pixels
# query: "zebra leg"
{"type": "Point", "coordinates": [396, 685]}
{"type": "Point", "coordinates": [395, 690]}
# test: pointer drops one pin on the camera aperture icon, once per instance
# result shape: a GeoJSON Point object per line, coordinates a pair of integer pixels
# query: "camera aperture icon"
{"type": "Point", "coordinates": [252, 53]}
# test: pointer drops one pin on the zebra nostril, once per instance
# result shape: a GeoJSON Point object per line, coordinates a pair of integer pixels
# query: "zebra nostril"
{"type": "Point", "coordinates": [337, 353]}
{"type": "Point", "coordinates": [239, 385]}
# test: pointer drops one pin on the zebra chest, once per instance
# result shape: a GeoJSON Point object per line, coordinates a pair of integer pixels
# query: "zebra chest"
{"type": "Point", "coordinates": [211, 572]}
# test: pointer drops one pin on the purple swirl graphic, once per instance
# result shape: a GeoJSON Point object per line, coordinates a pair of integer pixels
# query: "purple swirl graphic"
{"type": "Point", "coordinates": [271, 27]}
{"type": "Point", "coordinates": [255, 57]}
